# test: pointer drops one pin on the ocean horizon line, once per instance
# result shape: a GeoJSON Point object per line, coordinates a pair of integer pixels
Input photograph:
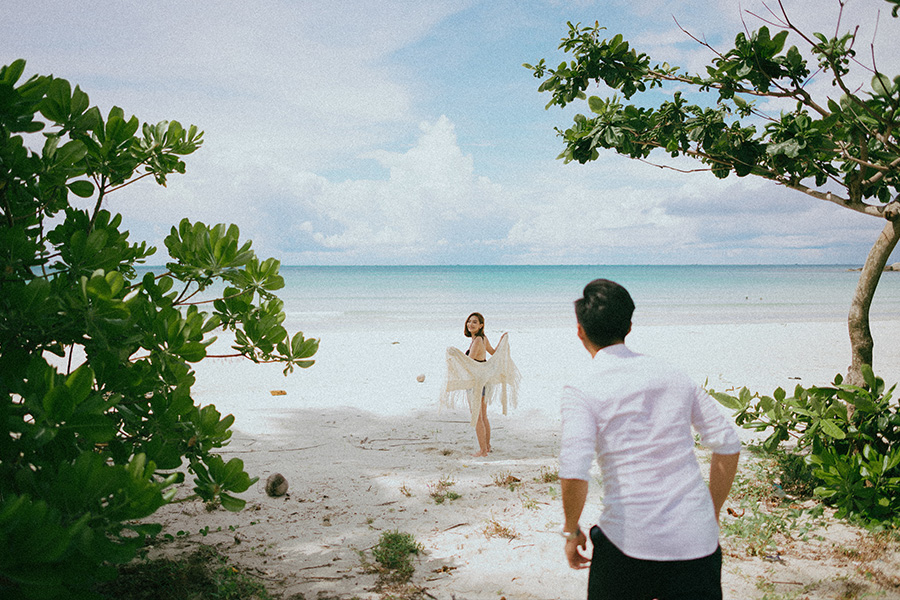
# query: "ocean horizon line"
{"type": "Point", "coordinates": [655, 265]}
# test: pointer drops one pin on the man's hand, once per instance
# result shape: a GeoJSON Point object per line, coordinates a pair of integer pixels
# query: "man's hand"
{"type": "Point", "coordinates": [574, 493]}
{"type": "Point", "coordinates": [577, 560]}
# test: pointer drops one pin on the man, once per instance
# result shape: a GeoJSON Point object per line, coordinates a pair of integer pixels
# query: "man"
{"type": "Point", "coordinates": [658, 534]}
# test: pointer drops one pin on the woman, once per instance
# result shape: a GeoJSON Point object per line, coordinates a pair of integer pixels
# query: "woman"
{"type": "Point", "coordinates": [478, 350]}
{"type": "Point", "coordinates": [479, 381]}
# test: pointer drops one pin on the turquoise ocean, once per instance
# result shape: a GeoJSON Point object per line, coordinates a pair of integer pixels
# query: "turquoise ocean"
{"type": "Point", "coordinates": [405, 317]}
{"type": "Point", "coordinates": [320, 299]}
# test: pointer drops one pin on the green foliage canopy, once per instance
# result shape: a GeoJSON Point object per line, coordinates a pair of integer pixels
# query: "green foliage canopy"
{"type": "Point", "coordinates": [851, 141]}
{"type": "Point", "coordinates": [99, 424]}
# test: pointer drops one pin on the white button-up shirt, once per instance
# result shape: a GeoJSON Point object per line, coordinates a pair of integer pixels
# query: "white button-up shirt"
{"type": "Point", "coordinates": [636, 414]}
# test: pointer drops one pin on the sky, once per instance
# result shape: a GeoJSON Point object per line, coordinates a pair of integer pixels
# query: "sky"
{"type": "Point", "coordinates": [352, 132]}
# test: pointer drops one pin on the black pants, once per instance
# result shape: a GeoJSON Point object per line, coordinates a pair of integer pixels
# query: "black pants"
{"type": "Point", "coordinates": [615, 576]}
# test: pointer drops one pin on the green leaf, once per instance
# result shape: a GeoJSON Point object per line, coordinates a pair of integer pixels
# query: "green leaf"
{"type": "Point", "coordinates": [597, 105]}
{"type": "Point", "coordinates": [174, 132]}
{"type": "Point", "coordinates": [93, 428]}
{"type": "Point", "coordinates": [831, 429]}
{"type": "Point", "coordinates": [80, 102]}
{"type": "Point", "coordinates": [58, 404]}
{"type": "Point", "coordinates": [777, 43]}
{"type": "Point", "coordinates": [10, 74]}
{"type": "Point", "coordinates": [303, 348]}
{"type": "Point", "coordinates": [57, 103]}
{"type": "Point", "coordinates": [192, 351]}
{"type": "Point", "coordinates": [728, 401]}
{"type": "Point", "coordinates": [71, 152]}
{"type": "Point", "coordinates": [859, 400]}
{"type": "Point", "coordinates": [881, 85]}
{"type": "Point", "coordinates": [97, 286]}
{"type": "Point", "coordinates": [789, 148]}
{"type": "Point", "coordinates": [90, 120]}
{"type": "Point", "coordinates": [80, 382]}
{"type": "Point", "coordinates": [231, 503]}
{"type": "Point", "coordinates": [81, 188]}
{"type": "Point", "coordinates": [869, 377]}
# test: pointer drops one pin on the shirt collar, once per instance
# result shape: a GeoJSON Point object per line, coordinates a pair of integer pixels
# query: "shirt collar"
{"type": "Point", "coordinates": [616, 351]}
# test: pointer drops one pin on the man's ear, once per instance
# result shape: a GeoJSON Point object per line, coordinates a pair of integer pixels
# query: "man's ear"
{"type": "Point", "coordinates": [588, 344]}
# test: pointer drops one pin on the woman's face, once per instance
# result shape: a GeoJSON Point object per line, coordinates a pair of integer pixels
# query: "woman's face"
{"type": "Point", "coordinates": [473, 324]}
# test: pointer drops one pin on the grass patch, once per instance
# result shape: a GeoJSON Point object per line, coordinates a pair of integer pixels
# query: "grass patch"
{"type": "Point", "coordinates": [394, 564]}
{"type": "Point", "coordinates": [529, 503]}
{"type": "Point", "coordinates": [759, 533]}
{"type": "Point", "coordinates": [777, 511]}
{"type": "Point", "coordinates": [440, 490]}
{"type": "Point", "coordinates": [496, 529]}
{"type": "Point", "coordinates": [773, 478]}
{"type": "Point", "coordinates": [507, 480]}
{"type": "Point", "coordinates": [548, 475]}
{"type": "Point", "coordinates": [768, 487]}
{"type": "Point", "coordinates": [204, 573]}
{"type": "Point", "coordinates": [393, 553]}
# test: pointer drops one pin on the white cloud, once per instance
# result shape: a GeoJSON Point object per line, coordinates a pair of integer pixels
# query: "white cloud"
{"type": "Point", "coordinates": [580, 219]}
{"type": "Point", "coordinates": [431, 198]}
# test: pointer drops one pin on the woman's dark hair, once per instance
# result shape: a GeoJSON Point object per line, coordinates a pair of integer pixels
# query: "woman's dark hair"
{"type": "Point", "coordinates": [480, 332]}
{"type": "Point", "coordinates": [604, 312]}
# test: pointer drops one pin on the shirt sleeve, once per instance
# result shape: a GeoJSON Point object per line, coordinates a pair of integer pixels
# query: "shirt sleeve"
{"type": "Point", "coordinates": [579, 436]}
{"type": "Point", "coordinates": [716, 432]}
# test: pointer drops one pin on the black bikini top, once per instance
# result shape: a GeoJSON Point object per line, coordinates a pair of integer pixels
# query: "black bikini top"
{"type": "Point", "coordinates": [475, 359]}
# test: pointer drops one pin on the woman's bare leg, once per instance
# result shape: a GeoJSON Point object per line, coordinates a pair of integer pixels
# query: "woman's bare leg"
{"type": "Point", "coordinates": [487, 425]}
{"type": "Point", "coordinates": [483, 431]}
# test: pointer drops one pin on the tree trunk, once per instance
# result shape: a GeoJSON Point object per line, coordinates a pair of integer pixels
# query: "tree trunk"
{"type": "Point", "coordinates": [861, 344]}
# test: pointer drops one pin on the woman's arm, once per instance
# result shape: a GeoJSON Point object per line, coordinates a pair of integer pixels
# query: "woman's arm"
{"type": "Point", "coordinates": [490, 348]}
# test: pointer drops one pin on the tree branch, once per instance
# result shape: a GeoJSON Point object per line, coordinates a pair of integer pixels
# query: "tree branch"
{"type": "Point", "coordinates": [140, 283]}
{"type": "Point", "coordinates": [658, 166]}
{"type": "Point", "coordinates": [860, 207]}
{"type": "Point", "coordinates": [101, 192]}
{"type": "Point", "coordinates": [129, 182]}
{"type": "Point", "coordinates": [182, 296]}
{"type": "Point", "coordinates": [882, 169]}
{"type": "Point", "coordinates": [239, 293]}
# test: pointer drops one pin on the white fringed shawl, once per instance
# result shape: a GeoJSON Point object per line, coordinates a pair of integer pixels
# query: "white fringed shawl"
{"type": "Point", "coordinates": [466, 375]}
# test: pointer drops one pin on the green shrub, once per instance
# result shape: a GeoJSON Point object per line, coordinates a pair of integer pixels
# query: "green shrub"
{"type": "Point", "coordinates": [850, 436]}
{"type": "Point", "coordinates": [98, 437]}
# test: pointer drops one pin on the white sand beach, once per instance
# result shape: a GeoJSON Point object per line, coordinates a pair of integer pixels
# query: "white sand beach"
{"type": "Point", "coordinates": [362, 444]}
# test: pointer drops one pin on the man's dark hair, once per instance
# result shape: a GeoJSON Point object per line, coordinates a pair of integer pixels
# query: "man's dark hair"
{"type": "Point", "coordinates": [604, 312]}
